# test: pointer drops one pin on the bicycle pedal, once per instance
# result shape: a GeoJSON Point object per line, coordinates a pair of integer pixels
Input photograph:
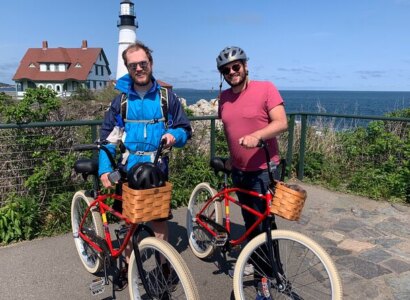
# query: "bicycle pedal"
{"type": "Point", "coordinates": [97, 286]}
{"type": "Point", "coordinates": [220, 239]}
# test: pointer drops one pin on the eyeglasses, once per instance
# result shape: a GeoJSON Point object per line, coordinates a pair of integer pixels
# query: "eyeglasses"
{"type": "Point", "coordinates": [133, 66]}
{"type": "Point", "coordinates": [227, 70]}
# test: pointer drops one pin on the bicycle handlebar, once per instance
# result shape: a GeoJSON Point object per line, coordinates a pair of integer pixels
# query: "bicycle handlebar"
{"type": "Point", "coordinates": [99, 145]}
{"type": "Point", "coordinates": [262, 144]}
{"type": "Point", "coordinates": [86, 147]}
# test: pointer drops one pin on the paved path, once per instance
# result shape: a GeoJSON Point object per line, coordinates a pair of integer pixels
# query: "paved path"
{"type": "Point", "coordinates": [368, 240]}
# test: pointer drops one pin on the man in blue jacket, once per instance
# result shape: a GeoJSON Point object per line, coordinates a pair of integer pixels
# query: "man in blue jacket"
{"type": "Point", "coordinates": [143, 124]}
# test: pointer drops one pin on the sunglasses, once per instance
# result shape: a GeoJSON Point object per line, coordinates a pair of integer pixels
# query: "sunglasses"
{"type": "Point", "coordinates": [133, 66]}
{"type": "Point", "coordinates": [227, 70]}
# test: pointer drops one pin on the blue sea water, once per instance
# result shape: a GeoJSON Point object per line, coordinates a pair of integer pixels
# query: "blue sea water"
{"type": "Point", "coordinates": [334, 102]}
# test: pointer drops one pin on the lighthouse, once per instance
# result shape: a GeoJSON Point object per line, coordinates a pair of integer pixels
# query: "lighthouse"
{"type": "Point", "coordinates": [127, 33]}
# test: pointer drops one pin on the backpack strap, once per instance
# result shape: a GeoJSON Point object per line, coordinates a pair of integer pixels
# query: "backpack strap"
{"type": "Point", "coordinates": [123, 107]}
{"type": "Point", "coordinates": [163, 92]}
{"type": "Point", "coordinates": [164, 105]}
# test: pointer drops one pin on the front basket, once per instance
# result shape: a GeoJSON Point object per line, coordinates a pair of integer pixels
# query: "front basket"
{"type": "Point", "coordinates": [288, 201]}
{"type": "Point", "coordinates": [146, 205]}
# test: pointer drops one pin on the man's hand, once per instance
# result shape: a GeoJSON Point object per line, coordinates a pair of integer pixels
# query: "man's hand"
{"type": "Point", "coordinates": [105, 181]}
{"type": "Point", "coordinates": [249, 141]}
{"type": "Point", "coordinates": [169, 140]}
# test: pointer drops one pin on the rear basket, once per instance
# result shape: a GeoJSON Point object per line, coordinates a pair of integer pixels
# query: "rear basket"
{"type": "Point", "coordinates": [288, 201]}
{"type": "Point", "coordinates": [146, 205]}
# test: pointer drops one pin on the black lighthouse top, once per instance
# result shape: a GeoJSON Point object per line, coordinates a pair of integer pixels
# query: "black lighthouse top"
{"type": "Point", "coordinates": [127, 14]}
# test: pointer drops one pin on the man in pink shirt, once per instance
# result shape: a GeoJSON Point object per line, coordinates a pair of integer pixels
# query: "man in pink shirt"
{"type": "Point", "coordinates": [250, 111]}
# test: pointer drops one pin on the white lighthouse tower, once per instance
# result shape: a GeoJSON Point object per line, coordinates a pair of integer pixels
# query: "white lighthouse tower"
{"type": "Point", "coordinates": [127, 33]}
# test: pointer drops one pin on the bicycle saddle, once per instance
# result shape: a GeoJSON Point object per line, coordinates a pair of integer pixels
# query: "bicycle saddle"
{"type": "Point", "coordinates": [86, 166]}
{"type": "Point", "coordinates": [219, 164]}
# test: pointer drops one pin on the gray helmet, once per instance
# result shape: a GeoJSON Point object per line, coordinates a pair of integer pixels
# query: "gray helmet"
{"type": "Point", "coordinates": [230, 54]}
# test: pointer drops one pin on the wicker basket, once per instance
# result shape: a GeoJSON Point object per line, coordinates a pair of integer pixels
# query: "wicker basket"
{"type": "Point", "coordinates": [146, 205]}
{"type": "Point", "coordinates": [288, 201]}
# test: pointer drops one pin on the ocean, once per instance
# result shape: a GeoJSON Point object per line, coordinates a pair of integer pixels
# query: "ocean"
{"type": "Point", "coordinates": [333, 102]}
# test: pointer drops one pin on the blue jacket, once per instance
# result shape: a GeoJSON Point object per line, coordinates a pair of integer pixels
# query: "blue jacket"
{"type": "Point", "coordinates": [142, 136]}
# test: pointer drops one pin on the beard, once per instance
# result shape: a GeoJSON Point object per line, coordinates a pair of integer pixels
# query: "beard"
{"type": "Point", "coordinates": [142, 81]}
{"type": "Point", "coordinates": [242, 78]}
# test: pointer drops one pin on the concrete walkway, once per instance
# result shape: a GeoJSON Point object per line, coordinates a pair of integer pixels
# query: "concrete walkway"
{"type": "Point", "coordinates": [368, 240]}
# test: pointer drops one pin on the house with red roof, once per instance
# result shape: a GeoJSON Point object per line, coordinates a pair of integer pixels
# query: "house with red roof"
{"type": "Point", "coordinates": [63, 69]}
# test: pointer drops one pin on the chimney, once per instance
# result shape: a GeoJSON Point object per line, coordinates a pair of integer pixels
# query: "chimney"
{"type": "Point", "coordinates": [84, 45]}
{"type": "Point", "coordinates": [45, 45]}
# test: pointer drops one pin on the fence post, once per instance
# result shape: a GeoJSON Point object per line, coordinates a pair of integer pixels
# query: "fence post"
{"type": "Point", "coordinates": [302, 146]}
{"type": "Point", "coordinates": [213, 137]}
{"type": "Point", "coordinates": [289, 154]}
{"type": "Point", "coordinates": [93, 139]}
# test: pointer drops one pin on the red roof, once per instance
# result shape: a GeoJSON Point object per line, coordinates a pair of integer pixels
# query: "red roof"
{"type": "Point", "coordinates": [85, 57]}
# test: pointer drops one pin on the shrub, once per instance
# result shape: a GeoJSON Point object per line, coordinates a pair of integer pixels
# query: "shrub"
{"type": "Point", "coordinates": [19, 219]}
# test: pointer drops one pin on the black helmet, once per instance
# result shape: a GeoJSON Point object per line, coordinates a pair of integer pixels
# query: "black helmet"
{"type": "Point", "coordinates": [230, 54]}
{"type": "Point", "coordinates": [145, 176]}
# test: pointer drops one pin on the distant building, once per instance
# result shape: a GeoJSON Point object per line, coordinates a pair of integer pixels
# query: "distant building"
{"type": "Point", "coordinates": [63, 69]}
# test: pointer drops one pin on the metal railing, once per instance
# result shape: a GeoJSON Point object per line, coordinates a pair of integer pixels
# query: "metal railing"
{"type": "Point", "coordinates": [298, 128]}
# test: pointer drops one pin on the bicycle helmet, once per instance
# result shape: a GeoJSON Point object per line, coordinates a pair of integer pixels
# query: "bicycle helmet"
{"type": "Point", "coordinates": [230, 54]}
{"type": "Point", "coordinates": [145, 176]}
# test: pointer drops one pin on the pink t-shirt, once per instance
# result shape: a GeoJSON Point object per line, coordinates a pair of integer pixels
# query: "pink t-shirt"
{"type": "Point", "coordinates": [245, 113]}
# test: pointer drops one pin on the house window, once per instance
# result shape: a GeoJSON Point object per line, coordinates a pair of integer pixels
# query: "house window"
{"type": "Point", "coordinates": [77, 65]}
{"type": "Point", "coordinates": [32, 65]}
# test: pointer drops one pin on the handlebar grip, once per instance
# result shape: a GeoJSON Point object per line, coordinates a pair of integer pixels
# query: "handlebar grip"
{"type": "Point", "coordinates": [86, 147]}
{"type": "Point", "coordinates": [159, 150]}
{"type": "Point", "coordinates": [261, 144]}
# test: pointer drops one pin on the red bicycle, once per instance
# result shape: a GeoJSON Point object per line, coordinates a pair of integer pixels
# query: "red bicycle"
{"type": "Point", "coordinates": [289, 264]}
{"type": "Point", "coordinates": [156, 270]}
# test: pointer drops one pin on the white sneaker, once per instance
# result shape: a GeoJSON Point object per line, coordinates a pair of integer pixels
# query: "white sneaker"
{"type": "Point", "coordinates": [249, 270]}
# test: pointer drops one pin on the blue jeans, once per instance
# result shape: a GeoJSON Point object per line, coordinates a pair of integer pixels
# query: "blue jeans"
{"type": "Point", "coordinates": [257, 181]}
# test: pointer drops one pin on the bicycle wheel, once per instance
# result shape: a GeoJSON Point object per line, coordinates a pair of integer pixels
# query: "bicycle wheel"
{"type": "Point", "coordinates": [308, 271]}
{"type": "Point", "coordinates": [90, 258]}
{"type": "Point", "coordinates": [167, 275]}
{"type": "Point", "coordinates": [199, 239]}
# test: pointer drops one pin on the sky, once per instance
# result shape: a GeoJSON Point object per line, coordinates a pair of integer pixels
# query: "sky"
{"type": "Point", "coordinates": [360, 45]}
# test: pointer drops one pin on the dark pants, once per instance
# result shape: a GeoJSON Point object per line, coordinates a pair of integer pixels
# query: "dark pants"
{"type": "Point", "coordinates": [257, 181]}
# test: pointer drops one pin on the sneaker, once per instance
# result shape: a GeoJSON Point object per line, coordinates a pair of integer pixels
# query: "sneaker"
{"type": "Point", "coordinates": [121, 281]}
{"type": "Point", "coordinates": [249, 270]}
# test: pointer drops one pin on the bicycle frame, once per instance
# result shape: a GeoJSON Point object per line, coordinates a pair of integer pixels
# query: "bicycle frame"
{"type": "Point", "coordinates": [225, 195]}
{"type": "Point", "coordinates": [103, 208]}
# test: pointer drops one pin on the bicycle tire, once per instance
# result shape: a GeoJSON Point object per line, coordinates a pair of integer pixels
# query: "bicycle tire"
{"type": "Point", "coordinates": [200, 241]}
{"type": "Point", "coordinates": [308, 269]}
{"type": "Point", "coordinates": [180, 285]}
{"type": "Point", "coordinates": [90, 258]}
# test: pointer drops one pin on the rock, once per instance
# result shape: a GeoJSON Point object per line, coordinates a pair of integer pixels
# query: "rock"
{"type": "Point", "coordinates": [205, 108]}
